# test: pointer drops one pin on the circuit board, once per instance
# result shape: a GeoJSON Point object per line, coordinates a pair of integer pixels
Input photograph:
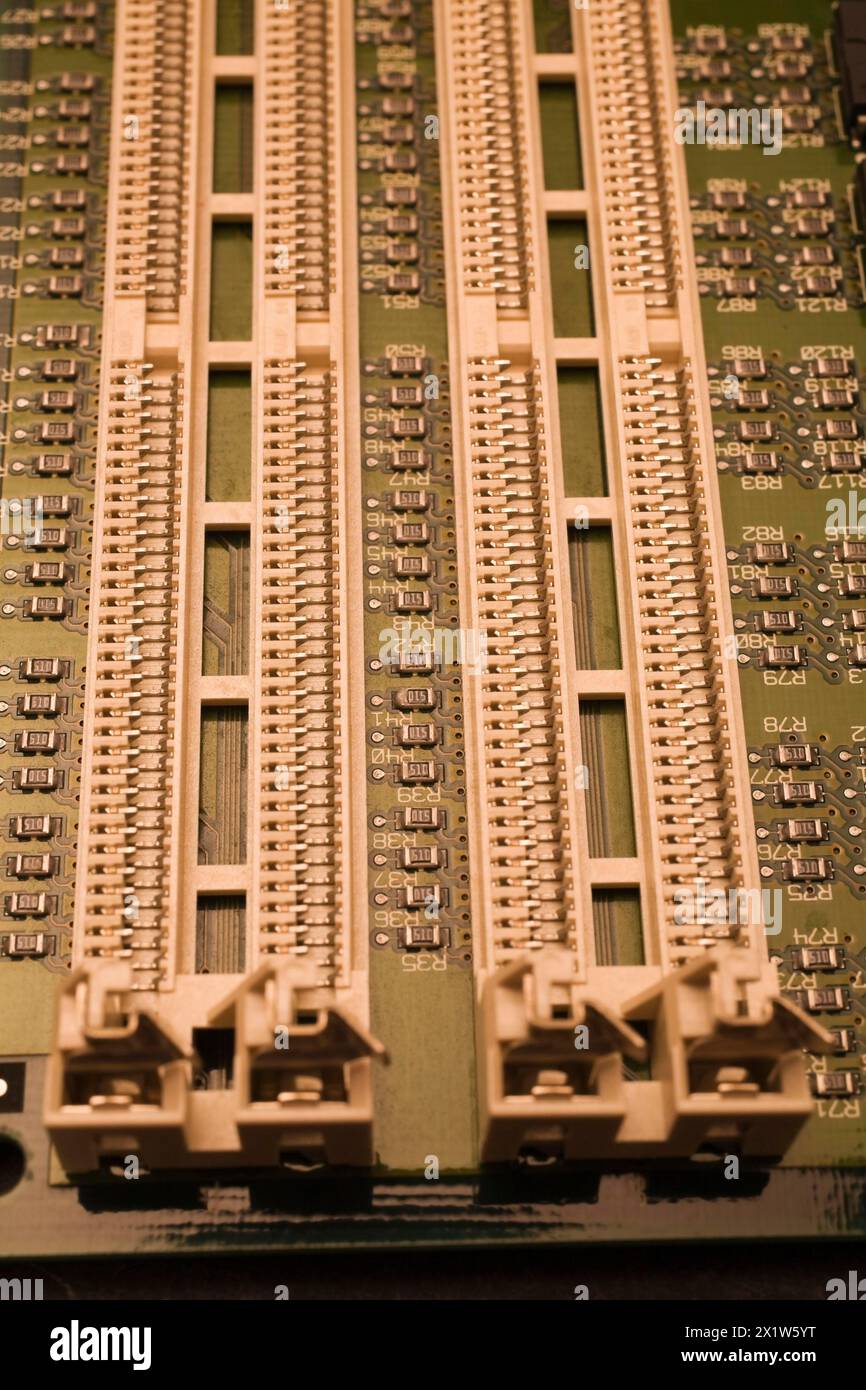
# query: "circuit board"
{"type": "Point", "coordinates": [433, 627]}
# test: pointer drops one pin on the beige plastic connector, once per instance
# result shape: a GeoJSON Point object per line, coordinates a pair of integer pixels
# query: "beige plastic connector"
{"type": "Point", "coordinates": [552, 1063]}
{"type": "Point", "coordinates": [725, 1070]}
{"type": "Point", "coordinates": [533, 875]}
{"type": "Point", "coordinates": [118, 1083]}
{"type": "Point", "coordinates": [302, 1074]}
{"type": "Point", "coordinates": [121, 1084]}
{"type": "Point", "coordinates": [728, 1052]}
{"type": "Point", "coordinates": [122, 1074]}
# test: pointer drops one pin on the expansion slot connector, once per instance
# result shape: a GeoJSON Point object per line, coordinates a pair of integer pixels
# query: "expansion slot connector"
{"type": "Point", "coordinates": [557, 1026]}
{"type": "Point", "coordinates": [257, 1057]}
